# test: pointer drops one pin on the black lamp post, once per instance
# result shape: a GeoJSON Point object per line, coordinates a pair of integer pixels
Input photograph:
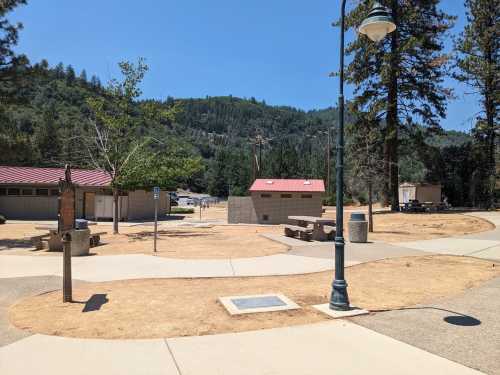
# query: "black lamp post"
{"type": "Point", "coordinates": [376, 26]}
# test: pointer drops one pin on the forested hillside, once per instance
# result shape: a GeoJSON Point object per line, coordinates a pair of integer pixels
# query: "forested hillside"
{"type": "Point", "coordinates": [233, 136]}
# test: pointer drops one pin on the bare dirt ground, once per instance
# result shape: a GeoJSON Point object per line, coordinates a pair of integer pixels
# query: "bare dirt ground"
{"type": "Point", "coordinates": [194, 243]}
{"type": "Point", "coordinates": [400, 227]}
{"type": "Point", "coordinates": [239, 241]}
{"type": "Point", "coordinates": [184, 307]}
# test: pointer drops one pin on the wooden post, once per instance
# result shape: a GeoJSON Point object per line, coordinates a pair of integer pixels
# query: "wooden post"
{"type": "Point", "coordinates": [67, 281]}
{"type": "Point", "coordinates": [66, 223]}
{"type": "Point", "coordinates": [370, 204]}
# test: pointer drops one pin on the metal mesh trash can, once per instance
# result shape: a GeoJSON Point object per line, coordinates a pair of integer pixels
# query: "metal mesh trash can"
{"type": "Point", "coordinates": [358, 228]}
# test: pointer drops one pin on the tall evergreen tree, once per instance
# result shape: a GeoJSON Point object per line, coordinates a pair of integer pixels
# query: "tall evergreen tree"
{"type": "Point", "coordinates": [11, 63]}
{"type": "Point", "coordinates": [70, 75]}
{"type": "Point", "coordinates": [83, 76]}
{"type": "Point", "coordinates": [478, 56]}
{"type": "Point", "coordinates": [400, 79]}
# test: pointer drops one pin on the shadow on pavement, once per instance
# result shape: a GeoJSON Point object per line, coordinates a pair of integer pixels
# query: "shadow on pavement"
{"type": "Point", "coordinates": [458, 319]}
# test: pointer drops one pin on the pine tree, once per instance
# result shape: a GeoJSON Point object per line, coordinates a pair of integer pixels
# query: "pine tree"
{"type": "Point", "coordinates": [59, 70]}
{"type": "Point", "coordinates": [11, 64]}
{"type": "Point", "coordinates": [477, 62]}
{"type": "Point", "coordinates": [400, 79]}
{"type": "Point", "coordinates": [70, 75]}
{"type": "Point", "coordinates": [83, 76]}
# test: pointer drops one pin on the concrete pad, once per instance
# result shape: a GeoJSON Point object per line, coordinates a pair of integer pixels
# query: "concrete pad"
{"type": "Point", "coordinates": [335, 347]}
{"type": "Point", "coordinates": [25, 265]}
{"type": "Point", "coordinates": [289, 241]}
{"type": "Point", "coordinates": [357, 252]}
{"type": "Point", "coordinates": [231, 306]}
{"type": "Point", "coordinates": [280, 264]}
{"type": "Point", "coordinates": [121, 267]}
{"type": "Point", "coordinates": [51, 355]}
{"type": "Point", "coordinates": [464, 328]}
{"type": "Point", "coordinates": [492, 253]}
{"type": "Point", "coordinates": [335, 314]}
{"type": "Point", "coordinates": [452, 246]}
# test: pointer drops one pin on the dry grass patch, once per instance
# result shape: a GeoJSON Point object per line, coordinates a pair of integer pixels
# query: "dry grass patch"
{"type": "Point", "coordinates": [400, 227]}
{"type": "Point", "coordinates": [218, 242]}
{"type": "Point", "coordinates": [156, 308]}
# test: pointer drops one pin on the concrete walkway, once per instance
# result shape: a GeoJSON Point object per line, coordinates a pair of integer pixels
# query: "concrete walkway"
{"type": "Point", "coordinates": [464, 328]}
{"type": "Point", "coordinates": [123, 267]}
{"type": "Point", "coordinates": [336, 347]}
{"type": "Point", "coordinates": [485, 245]}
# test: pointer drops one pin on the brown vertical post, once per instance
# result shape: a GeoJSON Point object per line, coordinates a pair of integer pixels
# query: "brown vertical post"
{"type": "Point", "coordinates": [254, 162]}
{"type": "Point", "coordinates": [328, 165]}
{"type": "Point", "coordinates": [66, 223]}
{"type": "Point", "coordinates": [370, 205]}
{"type": "Point", "coordinates": [67, 283]}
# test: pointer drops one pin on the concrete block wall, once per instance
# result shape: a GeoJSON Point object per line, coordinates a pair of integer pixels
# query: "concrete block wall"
{"type": "Point", "coordinates": [29, 207]}
{"type": "Point", "coordinates": [241, 210]}
{"type": "Point", "coordinates": [141, 205]}
{"type": "Point", "coordinates": [272, 207]}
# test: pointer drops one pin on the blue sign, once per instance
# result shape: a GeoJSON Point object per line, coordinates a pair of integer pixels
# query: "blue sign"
{"type": "Point", "coordinates": [156, 192]}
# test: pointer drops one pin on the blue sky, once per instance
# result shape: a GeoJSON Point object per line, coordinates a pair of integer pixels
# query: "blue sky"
{"type": "Point", "coordinates": [280, 51]}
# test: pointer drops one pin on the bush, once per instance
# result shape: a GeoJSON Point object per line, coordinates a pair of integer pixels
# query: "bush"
{"type": "Point", "coordinates": [2, 219]}
{"type": "Point", "coordinates": [181, 210]}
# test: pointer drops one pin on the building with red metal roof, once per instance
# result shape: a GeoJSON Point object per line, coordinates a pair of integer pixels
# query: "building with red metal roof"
{"type": "Point", "coordinates": [272, 200]}
{"type": "Point", "coordinates": [31, 193]}
{"type": "Point", "coordinates": [51, 176]}
{"type": "Point", "coordinates": [288, 185]}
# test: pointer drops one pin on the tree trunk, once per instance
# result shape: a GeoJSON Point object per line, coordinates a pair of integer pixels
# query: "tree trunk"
{"type": "Point", "coordinates": [392, 117]}
{"type": "Point", "coordinates": [385, 193]}
{"type": "Point", "coordinates": [116, 217]}
{"type": "Point", "coordinates": [370, 206]}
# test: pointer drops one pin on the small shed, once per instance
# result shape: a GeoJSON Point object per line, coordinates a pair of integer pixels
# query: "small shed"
{"type": "Point", "coordinates": [271, 201]}
{"type": "Point", "coordinates": [422, 192]}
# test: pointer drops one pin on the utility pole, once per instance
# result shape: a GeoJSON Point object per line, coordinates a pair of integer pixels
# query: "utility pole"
{"type": "Point", "coordinates": [260, 156]}
{"type": "Point", "coordinates": [328, 150]}
{"type": "Point", "coordinates": [254, 161]}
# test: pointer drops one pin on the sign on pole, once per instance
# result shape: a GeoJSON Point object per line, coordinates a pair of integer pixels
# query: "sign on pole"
{"type": "Point", "coordinates": [156, 196]}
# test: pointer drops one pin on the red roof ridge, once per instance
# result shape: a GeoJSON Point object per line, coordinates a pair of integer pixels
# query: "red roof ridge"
{"type": "Point", "coordinates": [288, 184]}
{"type": "Point", "coordinates": [51, 176]}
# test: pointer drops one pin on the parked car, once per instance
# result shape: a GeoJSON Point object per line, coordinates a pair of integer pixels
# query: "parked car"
{"type": "Point", "coordinates": [174, 199]}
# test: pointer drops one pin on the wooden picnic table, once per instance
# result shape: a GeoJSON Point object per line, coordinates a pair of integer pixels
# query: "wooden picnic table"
{"type": "Point", "coordinates": [318, 223]}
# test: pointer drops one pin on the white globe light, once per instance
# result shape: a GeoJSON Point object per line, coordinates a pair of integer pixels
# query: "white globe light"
{"type": "Point", "coordinates": [378, 23]}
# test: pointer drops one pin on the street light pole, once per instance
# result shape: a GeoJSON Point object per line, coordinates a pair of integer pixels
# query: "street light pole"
{"type": "Point", "coordinates": [339, 299]}
{"type": "Point", "coordinates": [376, 26]}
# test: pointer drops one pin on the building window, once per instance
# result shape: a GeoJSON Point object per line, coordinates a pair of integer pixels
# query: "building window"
{"type": "Point", "coordinates": [44, 192]}
{"type": "Point", "coordinates": [265, 195]}
{"type": "Point", "coordinates": [14, 191]}
{"type": "Point", "coordinates": [27, 191]}
{"type": "Point", "coordinates": [54, 192]}
{"type": "Point", "coordinates": [265, 217]}
{"type": "Point", "coordinates": [3, 191]}
{"type": "Point", "coordinates": [306, 196]}
{"type": "Point", "coordinates": [286, 195]}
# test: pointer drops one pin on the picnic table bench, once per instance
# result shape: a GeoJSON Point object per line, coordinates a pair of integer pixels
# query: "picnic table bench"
{"type": "Point", "coordinates": [318, 226]}
{"type": "Point", "coordinates": [294, 231]}
{"type": "Point", "coordinates": [37, 239]}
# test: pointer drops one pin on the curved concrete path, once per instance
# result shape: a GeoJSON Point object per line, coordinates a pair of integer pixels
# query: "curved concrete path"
{"type": "Point", "coordinates": [122, 267]}
{"type": "Point", "coordinates": [485, 245]}
{"type": "Point", "coordinates": [336, 347]}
